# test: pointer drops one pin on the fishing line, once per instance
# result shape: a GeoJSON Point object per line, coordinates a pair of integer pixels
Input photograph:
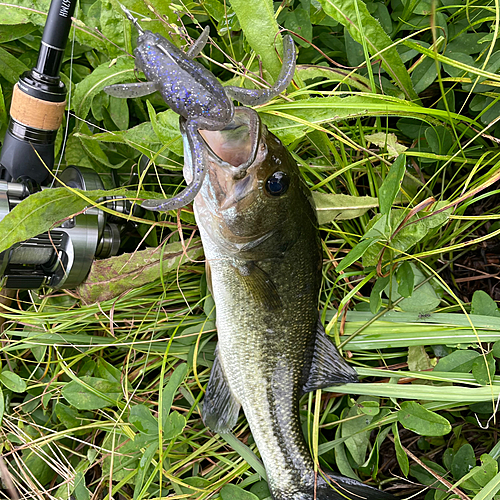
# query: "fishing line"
{"type": "Point", "coordinates": [66, 130]}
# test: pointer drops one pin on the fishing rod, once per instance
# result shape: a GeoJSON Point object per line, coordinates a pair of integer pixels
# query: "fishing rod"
{"type": "Point", "coordinates": [38, 103]}
{"type": "Point", "coordinates": [61, 259]}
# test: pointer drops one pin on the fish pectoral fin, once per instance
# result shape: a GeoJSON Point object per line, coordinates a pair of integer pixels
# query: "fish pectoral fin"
{"type": "Point", "coordinates": [130, 90]}
{"type": "Point", "coordinates": [258, 283]}
{"type": "Point", "coordinates": [327, 366]}
{"type": "Point", "coordinates": [219, 408]}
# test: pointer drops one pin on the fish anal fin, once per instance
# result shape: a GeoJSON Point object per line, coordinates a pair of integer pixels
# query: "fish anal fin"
{"type": "Point", "coordinates": [219, 408]}
{"type": "Point", "coordinates": [258, 283]}
{"type": "Point", "coordinates": [327, 368]}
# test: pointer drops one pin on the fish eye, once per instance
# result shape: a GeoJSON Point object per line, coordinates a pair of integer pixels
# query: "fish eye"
{"type": "Point", "coordinates": [277, 183]}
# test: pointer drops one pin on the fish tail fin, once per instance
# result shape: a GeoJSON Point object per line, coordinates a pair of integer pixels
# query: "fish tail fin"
{"type": "Point", "coordinates": [336, 488]}
{"type": "Point", "coordinates": [343, 488]}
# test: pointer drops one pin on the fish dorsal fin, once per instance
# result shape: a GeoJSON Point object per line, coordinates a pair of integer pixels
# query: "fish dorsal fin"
{"type": "Point", "coordinates": [327, 366]}
{"type": "Point", "coordinates": [219, 409]}
{"type": "Point", "coordinates": [258, 283]}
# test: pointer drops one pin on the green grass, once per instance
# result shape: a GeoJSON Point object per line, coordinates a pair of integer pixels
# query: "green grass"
{"type": "Point", "coordinates": [101, 386]}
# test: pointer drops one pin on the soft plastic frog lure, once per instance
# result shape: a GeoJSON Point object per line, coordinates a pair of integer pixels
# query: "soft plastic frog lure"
{"type": "Point", "coordinates": [193, 92]}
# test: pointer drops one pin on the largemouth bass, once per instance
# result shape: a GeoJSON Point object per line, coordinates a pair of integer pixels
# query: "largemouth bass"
{"type": "Point", "coordinates": [261, 242]}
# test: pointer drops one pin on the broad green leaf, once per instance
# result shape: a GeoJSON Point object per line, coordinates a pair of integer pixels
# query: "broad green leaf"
{"type": "Point", "coordinates": [9, 32]}
{"type": "Point", "coordinates": [369, 407]}
{"type": "Point", "coordinates": [14, 15]}
{"type": "Point", "coordinates": [376, 294]}
{"type": "Point", "coordinates": [69, 417]}
{"type": "Point", "coordinates": [261, 489]}
{"type": "Point", "coordinates": [418, 359]}
{"type": "Point", "coordinates": [119, 112]}
{"type": "Point", "coordinates": [354, 15]}
{"type": "Point", "coordinates": [11, 68]}
{"type": "Point", "coordinates": [126, 453]}
{"type": "Point", "coordinates": [91, 393]}
{"type": "Point", "coordinates": [484, 370]}
{"type": "Point", "coordinates": [42, 211]}
{"type": "Point", "coordinates": [486, 471]}
{"type": "Point", "coordinates": [405, 278]}
{"type": "Point", "coordinates": [144, 464]}
{"type": "Point", "coordinates": [389, 141]}
{"type": "Point", "coordinates": [173, 425]}
{"type": "Point", "coordinates": [416, 418]}
{"type": "Point", "coordinates": [448, 455]}
{"type": "Point", "coordinates": [114, 27]}
{"type": "Point", "coordinates": [105, 74]}
{"type": "Point", "coordinates": [12, 381]}
{"type": "Point", "coordinates": [458, 361]}
{"type": "Point", "coordinates": [354, 50]}
{"type": "Point", "coordinates": [141, 137]}
{"type": "Point", "coordinates": [425, 477]}
{"type": "Point", "coordinates": [424, 74]}
{"type": "Point", "coordinates": [463, 461]}
{"type": "Point", "coordinates": [37, 465]}
{"type": "Point", "coordinates": [94, 150]}
{"type": "Point", "coordinates": [401, 455]}
{"type": "Point", "coordinates": [2, 405]}
{"type": "Point", "coordinates": [174, 381]}
{"type": "Point", "coordinates": [141, 417]}
{"type": "Point", "coordinates": [490, 489]}
{"type": "Point", "coordinates": [391, 185]}
{"type": "Point", "coordinates": [214, 8]}
{"type": "Point", "coordinates": [355, 254]}
{"type": "Point", "coordinates": [299, 21]}
{"type": "Point", "coordinates": [424, 299]}
{"type": "Point", "coordinates": [483, 304]}
{"type": "Point", "coordinates": [496, 349]}
{"type": "Point", "coordinates": [233, 492]}
{"type": "Point", "coordinates": [342, 461]}
{"type": "Point", "coordinates": [108, 371]}
{"type": "Point", "coordinates": [414, 230]}
{"type": "Point", "coordinates": [80, 490]}
{"type": "Point", "coordinates": [259, 25]}
{"type": "Point", "coordinates": [356, 438]}
{"type": "Point", "coordinates": [166, 127]}
{"type": "Point", "coordinates": [196, 482]}
{"type": "Point", "coordinates": [331, 207]}
{"type": "Point", "coordinates": [439, 139]}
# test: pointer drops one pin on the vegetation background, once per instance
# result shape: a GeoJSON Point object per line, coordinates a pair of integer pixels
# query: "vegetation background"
{"type": "Point", "coordinates": [394, 101]}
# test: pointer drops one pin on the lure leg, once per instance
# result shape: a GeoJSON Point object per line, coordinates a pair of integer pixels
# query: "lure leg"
{"type": "Point", "coordinates": [198, 45]}
{"type": "Point", "coordinates": [199, 157]}
{"type": "Point", "coordinates": [251, 97]}
{"type": "Point", "coordinates": [125, 90]}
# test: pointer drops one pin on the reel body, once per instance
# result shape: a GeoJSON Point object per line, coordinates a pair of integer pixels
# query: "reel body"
{"type": "Point", "coordinates": [62, 257]}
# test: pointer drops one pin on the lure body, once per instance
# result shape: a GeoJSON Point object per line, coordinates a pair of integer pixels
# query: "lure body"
{"type": "Point", "coordinates": [193, 92]}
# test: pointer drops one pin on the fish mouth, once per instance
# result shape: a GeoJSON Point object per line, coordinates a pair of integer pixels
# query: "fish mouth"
{"type": "Point", "coordinates": [235, 147]}
{"type": "Point", "coordinates": [233, 155]}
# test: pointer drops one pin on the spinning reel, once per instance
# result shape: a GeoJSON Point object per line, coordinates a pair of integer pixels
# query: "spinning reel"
{"type": "Point", "coordinates": [62, 257]}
